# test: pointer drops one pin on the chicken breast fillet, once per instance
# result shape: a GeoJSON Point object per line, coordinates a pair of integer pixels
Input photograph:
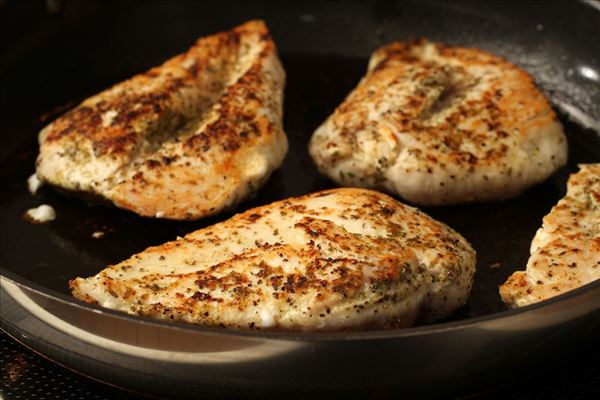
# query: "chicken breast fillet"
{"type": "Point", "coordinates": [337, 259]}
{"type": "Point", "coordinates": [183, 140]}
{"type": "Point", "coordinates": [441, 125]}
{"type": "Point", "coordinates": [565, 252]}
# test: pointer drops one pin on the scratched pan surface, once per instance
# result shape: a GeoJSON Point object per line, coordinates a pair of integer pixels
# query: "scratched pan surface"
{"type": "Point", "coordinates": [54, 57]}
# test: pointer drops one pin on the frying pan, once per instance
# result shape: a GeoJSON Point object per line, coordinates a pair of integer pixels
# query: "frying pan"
{"type": "Point", "coordinates": [56, 53]}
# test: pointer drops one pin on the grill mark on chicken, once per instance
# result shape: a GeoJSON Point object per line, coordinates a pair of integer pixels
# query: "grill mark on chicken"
{"type": "Point", "coordinates": [159, 143]}
{"type": "Point", "coordinates": [565, 252]}
{"type": "Point", "coordinates": [441, 125]}
{"type": "Point", "coordinates": [337, 259]}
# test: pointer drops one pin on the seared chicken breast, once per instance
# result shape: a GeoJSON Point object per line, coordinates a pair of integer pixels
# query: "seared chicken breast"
{"type": "Point", "coordinates": [565, 252]}
{"type": "Point", "coordinates": [337, 259]}
{"type": "Point", "coordinates": [441, 125]}
{"type": "Point", "coordinates": [183, 140]}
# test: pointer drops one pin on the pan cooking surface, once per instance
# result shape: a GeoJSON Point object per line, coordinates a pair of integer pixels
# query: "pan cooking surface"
{"type": "Point", "coordinates": [321, 70]}
{"type": "Point", "coordinates": [54, 253]}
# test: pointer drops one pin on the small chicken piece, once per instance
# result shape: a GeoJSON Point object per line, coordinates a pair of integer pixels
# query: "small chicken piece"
{"type": "Point", "coordinates": [565, 252]}
{"type": "Point", "coordinates": [183, 140]}
{"type": "Point", "coordinates": [441, 125]}
{"type": "Point", "coordinates": [339, 259]}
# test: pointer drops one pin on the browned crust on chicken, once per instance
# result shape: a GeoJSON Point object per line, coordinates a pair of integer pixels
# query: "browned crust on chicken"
{"type": "Point", "coordinates": [183, 140]}
{"type": "Point", "coordinates": [565, 253]}
{"type": "Point", "coordinates": [439, 125]}
{"type": "Point", "coordinates": [337, 259]}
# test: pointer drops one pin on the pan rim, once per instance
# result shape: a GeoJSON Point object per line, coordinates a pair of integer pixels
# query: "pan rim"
{"type": "Point", "coordinates": [302, 336]}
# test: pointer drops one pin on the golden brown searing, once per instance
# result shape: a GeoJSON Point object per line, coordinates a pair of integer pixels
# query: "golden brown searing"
{"type": "Point", "coordinates": [441, 125]}
{"type": "Point", "coordinates": [565, 252]}
{"type": "Point", "coordinates": [182, 140]}
{"type": "Point", "coordinates": [337, 259]}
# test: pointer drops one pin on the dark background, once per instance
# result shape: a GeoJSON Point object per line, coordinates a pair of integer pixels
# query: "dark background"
{"type": "Point", "coordinates": [26, 375]}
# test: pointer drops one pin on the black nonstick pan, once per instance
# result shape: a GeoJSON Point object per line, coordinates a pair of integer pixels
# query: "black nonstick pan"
{"type": "Point", "coordinates": [56, 53]}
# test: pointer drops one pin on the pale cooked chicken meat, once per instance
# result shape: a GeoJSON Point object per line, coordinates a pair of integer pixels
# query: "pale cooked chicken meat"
{"type": "Point", "coordinates": [565, 252]}
{"type": "Point", "coordinates": [337, 259]}
{"type": "Point", "coordinates": [183, 140]}
{"type": "Point", "coordinates": [441, 125]}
